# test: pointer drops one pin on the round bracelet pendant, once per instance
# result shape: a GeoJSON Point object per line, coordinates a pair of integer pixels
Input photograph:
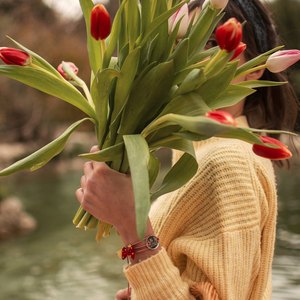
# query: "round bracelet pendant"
{"type": "Point", "coordinates": [152, 242]}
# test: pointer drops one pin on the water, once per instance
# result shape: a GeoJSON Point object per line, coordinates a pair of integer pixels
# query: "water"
{"type": "Point", "coordinates": [58, 261]}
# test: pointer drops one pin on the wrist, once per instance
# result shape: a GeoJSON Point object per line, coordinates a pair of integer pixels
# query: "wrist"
{"type": "Point", "coordinates": [129, 233]}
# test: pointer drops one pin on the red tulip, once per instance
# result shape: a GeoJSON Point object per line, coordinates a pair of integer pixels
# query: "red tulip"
{"type": "Point", "coordinates": [239, 50]}
{"type": "Point", "coordinates": [64, 74]}
{"type": "Point", "coordinates": [13, 56]}
{"type": "Point", "coordinates": [100, 22]}
{"type": "Point", "coordinates": [272, 153]}
{"type": "Point", "coordinates": [221, 116]}
{"type": "Point", "coordinates": [281, 60]}
{"type": "Point", "coordinates": [229, 35]}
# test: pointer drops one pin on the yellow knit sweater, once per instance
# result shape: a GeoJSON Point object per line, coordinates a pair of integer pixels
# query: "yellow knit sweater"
{"type": "Point", "coordinates": [218, 228]}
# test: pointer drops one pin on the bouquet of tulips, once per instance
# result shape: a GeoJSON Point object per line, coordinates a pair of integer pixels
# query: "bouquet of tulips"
{"type": "Point", "coordinates": [154, 94]}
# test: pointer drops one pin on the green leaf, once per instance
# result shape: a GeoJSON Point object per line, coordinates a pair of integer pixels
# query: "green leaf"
{"type": "Point", "coordinates": [201, 27]}
{"type": "Point", "coordinates": [154, 167]}
{"type": "Point", "coordinates": [147, 98]}
{"type": "Point", "coordinates": [43, 155]}
{"type": "Point", "coordinates": [178, 144]}
{"type": "Point", "coordinates": [171, 41]}
{"type": "Point", "coordinates": [255, 61]}
{"type": "Point", "coordinates": [201, 56]}
{"type": "Point", "coordinates": [242, 134]}
{"type": "Point", "coordinates": [193, 80]}
{"type": "Point", "coordinates": [197, 55]}
{"type": "Point", "coordinates": [253, 84]}
{"type": "Point", "coordinates": [38, 60]}
{"type": "Point", "coordinates": [94, 48]}
{"type": "Point", "coordinates": [146, 14]}
{"type": "Point", "coordinates": [114, 36]}
{"type": "Point", "coordinates": [166, 133]}
{"type": "Point", "coordinates": [163, 33]}
{"type": "Point", "coordinates": [185, 168]}
{"type": "Point", "coordinates": [190, 104]}
{"type": "Point", "coordinates": [112, 153]}
{"type": "Point", "coordinates": [100, 93]}
{"type": "Point", "coordinates": [232, 95]}
{"type": "Point", "coordinates": [138, 157]}
{"type": "Point", "coordinates": [157, 22]}
{"type": "Point", "coordinates": [192, 136]}
{"type": "Point", "coordinates": [211, 89]}
{"type": "Point", "coordinates": [197, 124]}
{"type": "Point", "coordinates": [180, 55]}
{"type": "Point", "coordinates": [49, 84]}
{"type": "Point", "coordinates": [133, 22]}
{"type": "Point", "coordinates": [180, 77]}
{"type": "Point", "coordinates": [124, 84]}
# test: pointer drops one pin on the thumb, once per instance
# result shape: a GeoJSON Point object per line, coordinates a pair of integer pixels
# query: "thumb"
{"type": "Point", "coordinates": [94, 149]}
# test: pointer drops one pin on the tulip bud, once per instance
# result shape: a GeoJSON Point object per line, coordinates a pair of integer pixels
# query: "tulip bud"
{"type": "Point", "coordinates": [229, 35]}
{"type": "Point", "coordinates": [217, 4]}
{"type": "Point", "coordinates": [64, 74]}
{"type": "Point", "coordinates": [183, 11]}
{"type": "Point", "coordinates": [221, 116]}
{"type": "Point", "coordinates": [239, 50]}
{"type": "Point", "coordinates": [281, 60]}
{"type": "Point", "coordinates": [100, 22]}
{"type": "Point", "coordinates": [13, 56]}
{"type": "Point", "coordinates": [271, 153]}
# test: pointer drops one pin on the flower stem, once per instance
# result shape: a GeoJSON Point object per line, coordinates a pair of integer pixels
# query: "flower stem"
{"type": "Point", "coordinates": [250, 71]}
{"type": "Point", "coordinates": [107, 230]}
{"type": "Point", "coordinates": [153, 9]}
{"type": "Point", "coordinates": [78, 215]}
{"type": "Point", "coordinates": [213, 61]}
{"type": "Point", "coordinates": [103, 48]}
{"type": "Point", "coordinates": [84, 220]}
{"type": "Point", "coordinates": [100, 231]}
{"type": "Point", "coordinates": [199, 64]}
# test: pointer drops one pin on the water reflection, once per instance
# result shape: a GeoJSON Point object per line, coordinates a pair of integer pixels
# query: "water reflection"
{"type": "Point", "coordinates": [58, 261]}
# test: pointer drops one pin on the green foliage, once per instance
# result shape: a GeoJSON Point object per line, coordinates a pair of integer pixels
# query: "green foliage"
{"type": "Point", "coordinates": [42, 156]}
{"type": "Point", "coordinates": [152, 95]}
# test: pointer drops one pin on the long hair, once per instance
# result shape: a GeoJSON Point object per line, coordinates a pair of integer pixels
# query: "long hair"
{"type": "Point", "coordinates": [271, 108]}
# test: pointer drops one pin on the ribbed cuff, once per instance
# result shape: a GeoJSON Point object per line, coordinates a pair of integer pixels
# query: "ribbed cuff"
{"type": "Point", "coordinates": [156, 278]}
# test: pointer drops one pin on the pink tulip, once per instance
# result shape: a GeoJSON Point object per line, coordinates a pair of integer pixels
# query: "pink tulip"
{"type": "Point", "coordinates": [64, 74]}
{"type": "Point", "coordinates": [239, 50]}
{"type": "Point", "coordinates": [100, 22]}
{"type": "Point", "coordinates": [271, 153]}
{"type": "Point", "coordinates": [229, 35]}
{"type": "Point", "coordinates": [13, 56]}
{"type": "Point", "coordinates": [217, 4]}
{"type": "Point", "coordinates": [173, 20]}
{"type": "Point", "coordinates": [221, 116]}
{"type": "Point", "coordinates": [281, 60]}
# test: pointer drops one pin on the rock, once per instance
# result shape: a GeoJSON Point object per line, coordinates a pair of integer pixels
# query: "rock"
{"type": "Point", "coordinates": [14, 221]}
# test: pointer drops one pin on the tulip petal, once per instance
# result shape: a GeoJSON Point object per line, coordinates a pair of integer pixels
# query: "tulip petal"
{"type": "Point", "coordinates": [267, 151]}
{"type": "Point", "coordinates": [281, 60]}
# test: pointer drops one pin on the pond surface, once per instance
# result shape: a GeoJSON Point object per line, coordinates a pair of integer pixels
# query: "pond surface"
{"type": "Point", "coordinates": [58, 261]}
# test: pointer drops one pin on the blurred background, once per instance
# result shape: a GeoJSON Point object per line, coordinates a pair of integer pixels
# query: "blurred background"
{"type": "Point", "coordinates": [42, 254]}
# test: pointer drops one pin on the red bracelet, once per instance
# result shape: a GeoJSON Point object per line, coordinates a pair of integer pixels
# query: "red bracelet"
{"type": "Point", "coordinates": [151, 243]}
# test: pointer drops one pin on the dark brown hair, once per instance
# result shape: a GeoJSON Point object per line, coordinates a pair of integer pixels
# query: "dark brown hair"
{"type": "Point", "coordinates": [272, 108]}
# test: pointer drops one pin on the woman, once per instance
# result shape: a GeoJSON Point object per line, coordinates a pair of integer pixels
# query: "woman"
{"type": "Point", "coordinates": [220, 227]}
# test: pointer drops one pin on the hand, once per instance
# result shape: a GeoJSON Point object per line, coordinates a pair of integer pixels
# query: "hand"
{"type": "Point", "coordinates": [122, 294]}
{"type": "Point", "coordinates": [107, 195]}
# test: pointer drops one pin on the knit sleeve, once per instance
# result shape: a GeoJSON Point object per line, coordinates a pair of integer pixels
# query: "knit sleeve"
{"type": "Point", "coordinates": [215, 233]}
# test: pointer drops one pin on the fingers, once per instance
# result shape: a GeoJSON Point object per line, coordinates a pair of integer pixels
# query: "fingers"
{"type": "Point", "coordinates": [94, 149]}
{"type": "Point", "coordinates": [122, 294]}
{"type": "Point", "coordinates": [83, 183]}
{"type": "Point", "coordinates": [79, 195]}
{"type": "Point", "coordinates": [88, 169]}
